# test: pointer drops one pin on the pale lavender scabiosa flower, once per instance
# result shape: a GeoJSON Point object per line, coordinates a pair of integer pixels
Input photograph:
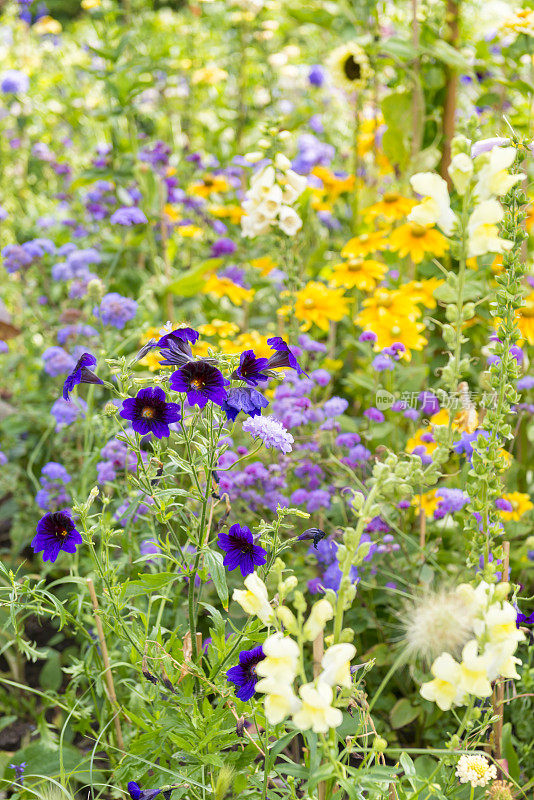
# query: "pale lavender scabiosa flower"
{"type": "Point", "coordinates": [271, 432]}
{"type": "Point", "coordinates": [116, 310]}
{"type": "Point", "coordinates": [66, 412]}
{"type": "Point", "coordinates": [57, 361]}
{"type": "Point", "coordinates": [128, 216]}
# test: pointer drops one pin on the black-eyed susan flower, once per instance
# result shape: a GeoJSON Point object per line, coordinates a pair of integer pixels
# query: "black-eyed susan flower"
{"type": "Point", "coordinates": [349, 66]}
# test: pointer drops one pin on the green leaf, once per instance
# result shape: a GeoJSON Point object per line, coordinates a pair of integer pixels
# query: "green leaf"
{"type": "Point", "coordinates": [218, 574]}
{"type": "Point", "coordinates": [509, 753]}
{"type": "Point", "coordinates": [192, 281]}
{"type": "Point", "coordinates": [51, 676]}
{"type": "Point", "coordinates": [403, 713]}
{"type": "Point", "coordinates": [442, 51]}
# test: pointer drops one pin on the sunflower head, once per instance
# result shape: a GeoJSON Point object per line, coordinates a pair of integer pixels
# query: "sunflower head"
{"type": "Point", "coordinates": [349, 66]}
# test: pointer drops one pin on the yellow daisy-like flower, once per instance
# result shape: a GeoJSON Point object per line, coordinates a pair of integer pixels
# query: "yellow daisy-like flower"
{"type": "Point", "coordinates": [220, 328]}
{"type": "Point", "coordinates": [209, 75]}
{"type": "Point", "coordinates": [359, 273]}
{"type": "Point", "coordinates": [421, 438]}
{"type": "Point", "coordinates": [422, 291]}
{"type": "Point", "coordinates": [521, 22]}
{"type": "Point", "coordinates": [47, 25]}
{"type": "Point", "coordinates": [316, 304]}
{"type": "Point", "coordinates": [151, 360]}
{"type": "Point", "coordinates": [210, 184]}
{"type": "Point", "coordinates": [520, 502]}
{"type": "Point", "coordinates": [189, 231]}
{"type": "Point", "coordinates": [247, 341]}
{"type": "Point", "coordinates": [427, 502]}
{"type": "Point", "coordinates": [529, 221]}
{"type": "Point", "coordinates": [364, 245]}
{"type": "Point", "coordinates": [385, 305]}
{"type": "Point", "coordinates": [224, 287]}
{"type": "Point", "coordinates": [89, 4]}
{"type": "Point", "coordinates": [172, 214]}
{"type": "Point", "coordinates": [402, 329]}
{"type": "Point", "coordinates": [416, 241]}
{"type": "Point", "coordinates": [333, 185]}
{"type": "Point", "coordinates": [265, 264]}
{"type": "Point", "coordinates": [526, 319]}
{"type": "Point", "coordinates": [392, 208]}
{"type": "Point", "coordinates": [349, 66]}
{"type": "Point", "coordinates": [232, 213]}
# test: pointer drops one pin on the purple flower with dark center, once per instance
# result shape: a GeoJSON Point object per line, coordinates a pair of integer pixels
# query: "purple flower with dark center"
{"type": "Point", "coordinates": [240, 550]}
{"type": "Point", "coordinates": [250, 368]}
{"type": "Point", "coordinates": [201, 382]}
{"type": "Point", "coordinates": [523, 619]}
{"type": "Point", "coordinates": [81, 374]}
{"type": "Point", "coordinates": [283, 356]}
{"type": "Point", "coordinates": [128, 216]}
{"type": "Point", "coordinates": [56, 531]}
{"type": "Point", "coordinates": [149, 412]}
{"type": "Point", "coordinates": [244, 674]}
{"type": "Point", "coordinates": [245, 399]}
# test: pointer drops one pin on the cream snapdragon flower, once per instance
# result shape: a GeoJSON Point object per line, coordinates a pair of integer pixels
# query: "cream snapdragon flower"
{"type": "Point", "coordinates": [461, 171]}
{"type": "Point", "coordinates": [445, 689]}
{"type": "Point", "coordinates": [321, 612]}
{"type": "Point", "coordinates": [280, 699]}
{"type": "Point", "coordinates": [493, 178]}
{"type": "Point", "coordinates": [474, 671]}
{"type": "Point", "coordinates": [435, 208]}
{"type": "Point", "coordinates": [316, 711]}
{"type": "Point", "coordinates": [336, 665]}
{"type": "Point", "coordinates": [483, 230]}
{"type": "Point", "coordinates": [281, 658]}
{"type": "Point", "coordinates": [254, 599]}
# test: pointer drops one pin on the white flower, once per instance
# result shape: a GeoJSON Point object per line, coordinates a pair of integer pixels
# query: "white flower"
{"type": "Point", "coordinates": [336, 665]}
{"type": "Point", "coordinates": [477, 599]}
{"type": "Point", "coordinates": [289, 221]}
{"type": "Point", "coordinates": [255, 600]}
{"type": "Point", "coordinates": [493, 177]}
{"type": "Point", "coordinates": [287, 618]}
{"type": "Point", "coordinates": [316, 711]}
{"type": "Point", "coordinates": [483, 231]}
{"type": "Point", "coordinates": [445, 689]}
{"type": "Point", "coordinates": [435, 208]}
{"type": "Point", "coordinates": [461, 171]}
{"type": "Point", "coordinates": [294, 185]}
{"type": "Point", "coordinates": [501, 660]}
{"type": "Point", "coordinates": [280, 699]}
{"type": "Point", "coordinates": [474, 671]}
{"type": "Point", "coordinates": [321, 612]}
{"type": "Point", "coordinates": [476, 770]}
{"type": "Point", "coordinates": [281, 658]}
{"type": "Point", "coordinates": [499, 623]}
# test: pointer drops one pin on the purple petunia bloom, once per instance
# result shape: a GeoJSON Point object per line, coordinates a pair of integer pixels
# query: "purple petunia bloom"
{"type": "Point", "coordinates": [250, 368]}
{"type": "Point", "coordinates": [81, 374]}
{"type": "Point", "coordinates": [244, 674]}
{"type": "Point", "coordinates": [240, 550]}
{"type": "Point", "coordinates": [128, 216]}
{"type": "Point", "coordinates": [201, 382]}
{"type": "Point", "coordinates": [56, 531]}
{"type": "Point", "coordinates": [116, 310]}
{"type": "Point", "coordinates": [136, 793]}
{"type": "Point", "coordinates": [245, 399]}
{"type": "Point", "coordinates": [283, 356]}
{"type": "Point", "coordinates": [149, 412]}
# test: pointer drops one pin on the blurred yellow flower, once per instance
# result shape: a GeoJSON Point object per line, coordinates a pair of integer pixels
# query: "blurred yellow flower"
{"type": "Point", "coordinates": [332, 184]}
{"type": "Point", "coordinates": [218, 327]}
{"type": "Point", "coordinates": [210, 184]}
{"type": "Point", "coordinates": [364, 245]}
{"type": "Point", "coordinates": [316, 304]}
{"type": "Point", "coordinates": [422, 291]}
{"type": "Point", "coordinates": [232, 212]}
{"type": "Point", "coordinates": [247, 341]}
{"type": "Point", "coordinates": [209, 75]}
{"type": "Point", "coordinates": [47, 25]}
{"type": "Point", "coordinates": [359, 273]}
{"type": "Point", "coordinates": [349, 66]}
{"type": "Point", "coordinates": [526, 319]}
{"type": "Point", "coordinates": [89, 4]}
{"type": "Point", "coordinates": [427, 502]}
{"type": "Point", "coordinates": [265, 264]}
{"type": "Point", "coordinates": [385, 305]}
{"type": "Point", "coordinates": [416, 241]}
{"type": "Point", "coordinates": [189, 231]}
{"type": "Point", "coordinates": [224, 287]}
{"type": "Point", "coordinates": [392, 207]}
{"type": "Point", "coordinates": [520, 502]}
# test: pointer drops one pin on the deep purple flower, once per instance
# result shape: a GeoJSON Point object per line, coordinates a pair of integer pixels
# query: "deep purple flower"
{"type": "Point", "coordinates": [201, 382]}
{"type": "Point", "coordinates": [250, 368]}
{"type": "Point", "coordinates": [179, 335]}
{"type": "Point", "coordinates": [56, 531]}
{"type": "Point", "coordinates": [283, 356]}
{"type": "Point", "coordinates": [244, 674]}
{"type": "Point", "coordinates": [81, 374]}
{"type": "Point", "coordinates": [522, 619]}
{"type": "Point", "coordinates": [245, 399]}
{"type": "Point", "coordinates": [136, 793]}
{"type": "Point", "coordinates": [315, 534]}
{"type": "Point", "coordinates": [149, 412]}
{"type": "Point", "coordinates": [128, 216]}
{"type": "Point", "coordinates": [240, 550]}
{"type": "Point", "coordinates": [223, 247]}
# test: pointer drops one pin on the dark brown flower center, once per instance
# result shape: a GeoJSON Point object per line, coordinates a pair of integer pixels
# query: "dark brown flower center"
{"type": "Point", "coordinates": [147, 412]}
{"type": "Point", "coordinates": [197, 383]}
{"type": "Point", "coordinates": [62, 533]}
{"type": "Point", "coordinates": [352, 69]}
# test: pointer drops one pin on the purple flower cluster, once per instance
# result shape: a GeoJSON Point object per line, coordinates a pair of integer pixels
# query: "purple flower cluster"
{"type": "Point", "coordinates": [116, 310]}
{"type": "Point", "coordinates": [21, 256]}
{"type": "Point", "coordinates": [53, 494]}
{"type": "Point", "coordinates": [117, 458]}
{"type": "Point", "coordinates": [450, 501]}
{"type": "Point", "coordinates": [325, 553]}
{"type": "Point", "coordinates": [66, 412]}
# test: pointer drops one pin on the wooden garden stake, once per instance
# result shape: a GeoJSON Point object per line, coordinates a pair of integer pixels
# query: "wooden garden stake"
{"type": "Point", "coordinates": [498, 691]}
{"type": "Point", "coordinates": [107, 666]}
{"type": "Point", "coordinates": [451, 91]}
{"type": "Point", "coordinates": [417, 98]}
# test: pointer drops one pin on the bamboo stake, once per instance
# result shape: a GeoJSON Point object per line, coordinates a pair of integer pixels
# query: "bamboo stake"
{"type": "Point", "coordinates": [451, 90]}
{"type": "Point", "coordinates": [107, 666]}
{"type": "Point", "coordinates": [417, 100]}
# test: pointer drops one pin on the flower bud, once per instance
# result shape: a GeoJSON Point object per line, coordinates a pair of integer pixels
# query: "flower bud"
{"type": "Point", "coordinates": [287, 618]}
{"type": "Point", "coordinates": [95, 290]}
{"type": "Point", "coordinates": [380, 744]}
{"type": "Point", "coordinates": [110, 409]}
{"type": "Point", "coordinates": [461, 172]}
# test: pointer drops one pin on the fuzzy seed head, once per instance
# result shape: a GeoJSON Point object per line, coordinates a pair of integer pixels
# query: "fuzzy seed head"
{"type": "Point", "coordinates": [437, 622]}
